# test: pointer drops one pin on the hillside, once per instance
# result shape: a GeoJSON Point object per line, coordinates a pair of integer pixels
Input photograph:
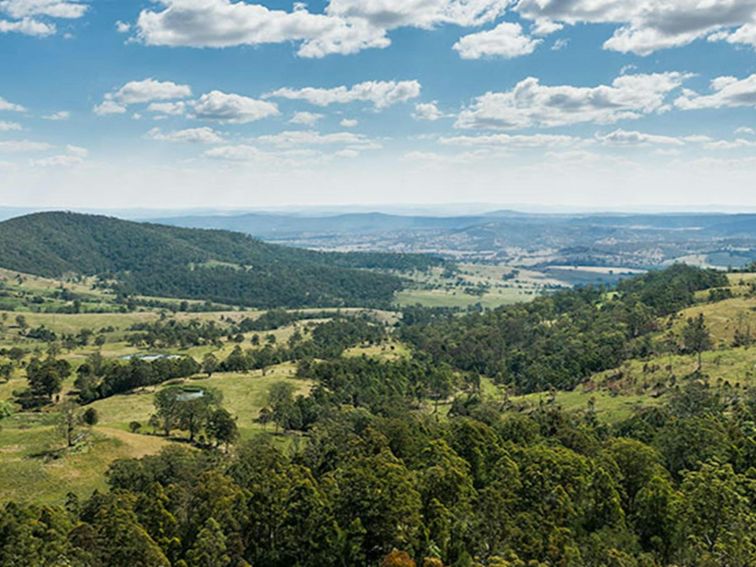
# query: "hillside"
{"type": "Point", "coordinates": [215, 265]}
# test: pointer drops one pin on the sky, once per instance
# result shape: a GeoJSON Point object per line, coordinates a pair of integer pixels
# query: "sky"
{"type": "Point", "coordinates": [592, 104]}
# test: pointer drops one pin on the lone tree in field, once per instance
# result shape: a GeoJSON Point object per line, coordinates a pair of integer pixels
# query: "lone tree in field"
{"type": "Point", "coordinates": [696, 337]}
{"type": "Point", "coordinates": [69, 419]}
{"type": "Point", "coordinates": [210, 364]}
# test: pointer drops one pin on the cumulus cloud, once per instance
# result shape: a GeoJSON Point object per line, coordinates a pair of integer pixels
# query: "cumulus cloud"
{"type": "Point", "coordinates": [727, 92]}
{"type": "Point", "coordinates": [177, 108]}
{"type": "Point", "coordinates": [202, 135]}
{"type": "Point", "coordinates": [27, 26]}
{"type": "Point", "coordinates": [108, 107]}
{"type": "Point", "coordinates": [349, 123]}
{"type": "Point", "coordinates": [346, 26]}
{"type": "Point", "coordinates": [10, 107]}
{"type": "Point", "coordinates": [427, 111]}
{"type": "Point", "coordinates": [58, 116]}
{"type": "Point", "coordinates": [633, 138]}
{"type": "Point", "coordinates": [9, 126]}
{"type": "Point", "coordinates": [232, 108]}
{"type": "Point", "coordinates": [140, 92]}
{"type": "Point", "coordinates": [530, 103]}
{"type": "Point", "coordinates": [506, 40]}
{"type": "Point", "coordinates": [305, 118]}
{"type": "Point", "coordinates": [645, 26]}
{"type": "Point", "coordinates": [390, 14]}
{"type": "Point", "coordinates": [52, 8]}
{"type": "Point", "coordinates": [381, 94]}
{"type": "Point", "coordinates": [223, 23]}
{"type": "Point", "coordinates": [25, 15]}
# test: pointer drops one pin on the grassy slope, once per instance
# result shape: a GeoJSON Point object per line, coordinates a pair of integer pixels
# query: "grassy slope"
{"type": "Point", "coordinates": [637, 383]}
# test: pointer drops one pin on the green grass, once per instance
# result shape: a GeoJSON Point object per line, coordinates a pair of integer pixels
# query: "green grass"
{"type": "Point", "coordinates": [723, 318]}
{"type": "Point", "coordinates": [33, 467]}
{"type": "Point", "coordinates": [243, 395]}
{"type": "Point", "coordinates": [436, 288]}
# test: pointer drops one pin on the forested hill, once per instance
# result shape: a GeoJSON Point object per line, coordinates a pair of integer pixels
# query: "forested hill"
{"type": "Point", "coordinates": [215, 265]}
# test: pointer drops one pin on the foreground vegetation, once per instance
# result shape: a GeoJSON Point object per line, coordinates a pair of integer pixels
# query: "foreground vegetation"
{"type": "Point", "coordinates": [589, 427]}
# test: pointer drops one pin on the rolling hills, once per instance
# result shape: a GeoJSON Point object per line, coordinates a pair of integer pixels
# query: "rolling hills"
{"type": "Point", "coordinates": [222, 266]}
{"type": "Point", "coordinates": [541, 240]}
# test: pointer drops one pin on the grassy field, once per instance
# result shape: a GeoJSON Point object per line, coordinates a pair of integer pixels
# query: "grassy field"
{"type": "Point", "coordinates": [34, 467]}
{"type": "Point", "coordinates": [723, 318]}
{"type": "Point", "coordinates": [488, 285]}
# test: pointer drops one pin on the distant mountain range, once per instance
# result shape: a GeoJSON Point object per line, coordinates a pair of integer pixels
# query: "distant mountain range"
{"type": "Point", "coordinates": [629, 240]}
{"type": "Point", "coordinates": [218, 265]}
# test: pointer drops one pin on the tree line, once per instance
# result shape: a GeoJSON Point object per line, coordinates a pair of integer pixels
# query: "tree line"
{"type": "Point", "coordinates": [668, 486]}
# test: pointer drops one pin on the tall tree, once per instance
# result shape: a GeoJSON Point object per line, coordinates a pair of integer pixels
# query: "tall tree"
{"type": "Point", "coordinates": [696, 337]}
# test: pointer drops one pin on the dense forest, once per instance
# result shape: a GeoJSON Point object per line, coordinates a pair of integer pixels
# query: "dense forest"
{"type": "Point", "coordinates": [371, 478]}
{"type": "Point", "coordinates": [559, 340]}
{"type": "Point", "coordinates": [673, 486]}
{"type": "Point", "coordinates": [212, 265]}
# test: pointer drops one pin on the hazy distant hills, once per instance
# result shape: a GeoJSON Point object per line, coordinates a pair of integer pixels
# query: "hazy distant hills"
{"type": "Point", "coordinates": [222, 266]}
{"type": "Point", "coordinates": [632, 240]}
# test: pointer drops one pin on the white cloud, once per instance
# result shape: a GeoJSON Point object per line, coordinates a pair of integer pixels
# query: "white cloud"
{"type": "Point", "coordinates": [232, 108]}
{"type": "Point", "coordinates": [58, 116]}
{"type": "Point", "coordinates": [744, 35]}
{"type": "Point", "coordinates": [745, 131]}
{"type": "Point", "coordinates": [346, 27]}
{"type": "Point", "coordinates": [506, 40]}
{"type": "Point", "coordinates": [52, 8]}
{"type": "Point", "coordinates": [202, 135]}
{"type": "Point", "coordinates": [530, 103]}
{"type": "Point", "coordinates": [545, 27]}
{"type": "Point", "coordinates": [381, 94]}
{"type": "Point", "coordinates": [632, 138]}
{"type": "Point", "coordinates": [122, 27]}
{"type": "Point", "coordinates": [427, 111]}
{"type": "Point", "coordinates": [728, 92]}
{"type": "Point", "coordinates": [25, 15]}
{"type": "Point", "coordinates": [306, 118]}
{"type": "Point", "coordinates": [241, 152]}
{"type": "Point", "coordinates": [349, 123]}
{"type": "Point", "coordinates": [298, 138]}
{"type": "Point", "coordinates": [10, 107]}
{"type": "Point", "coordinates": [148, 90]}
{"type": "Point", "coordinates": [140, 92]}
{"type": "Point", "coordinates": [27, 26]}
{"type": "Point", "coordinates": [9, 126]}
{"type": "Point", "coordinates": [390, 14]}
{"type": "Point", "coordinates": [170, 108]}
{"type": "Point", "coordinates": [77, 151]}
{"type": "Point", "coordinates": [62, 160]}
{"type": "Point", "coordinates": [560, 44]}
{"type": "Point", "coordinates": [522, 141]}
{"type": "Point", "coordinates": [222, 23]}
{"type": "Point", "coordinates": [108, 107]}
{"type": "Point", "coordinates": [19, 146]}
{"type": "Point", "coordinates": [646, 26]}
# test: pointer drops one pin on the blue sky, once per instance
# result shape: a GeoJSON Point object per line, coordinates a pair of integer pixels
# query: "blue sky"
{"type": "Point", "coordinates": [220, 103]}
